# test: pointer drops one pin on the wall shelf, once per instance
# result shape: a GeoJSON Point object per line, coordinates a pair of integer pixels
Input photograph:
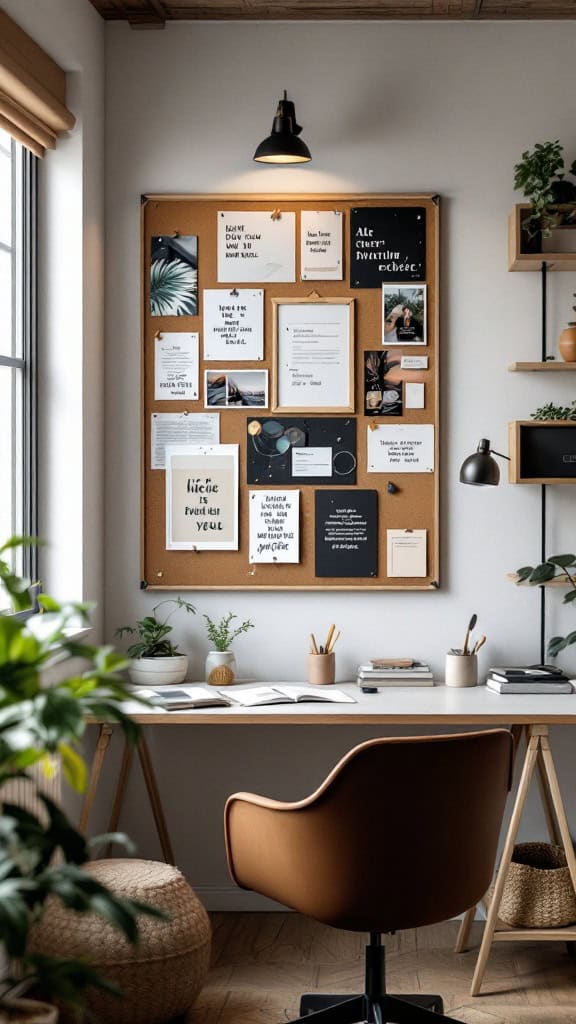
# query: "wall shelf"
{"type": "Point", "coordinates": [550, 364]}
{"type": "Point", "coordinates": [542, 452]}
{"type": "Point", "coordinates": [519, 260]}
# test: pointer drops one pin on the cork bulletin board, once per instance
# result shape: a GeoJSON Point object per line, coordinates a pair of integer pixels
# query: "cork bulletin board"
{"type": "Point", "coordinates": [394, 497]}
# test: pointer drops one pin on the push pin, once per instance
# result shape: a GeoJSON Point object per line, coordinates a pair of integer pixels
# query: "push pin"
{"type": "Point", "coordinates": [159, 575]}
{"type": "Point", "coordinates": [391, 488]}
{"type": "Point", "coordinates": [175, 234]}
{"type": "Point", "coordinates": [373, 425]}
{"type": "Point", "coordinates": [235, 293]}
{"type": "Point", "coordinates": [276, 214]}
{"type": "Point", "coordinates": [157, 336]}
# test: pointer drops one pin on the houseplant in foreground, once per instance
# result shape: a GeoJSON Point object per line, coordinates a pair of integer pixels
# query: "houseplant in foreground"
{"type": "Point", "coordinates": [221, 667]}
{"type": "Point", "coordinates": [155, 660]}
{"type": "Point", "coordinates": [563, 568]}
{"type": "Point", "coordinates": [41, 853]}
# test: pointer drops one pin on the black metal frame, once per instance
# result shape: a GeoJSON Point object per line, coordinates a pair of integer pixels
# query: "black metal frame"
{"type": "Point", "coordinates": [375, 1006]}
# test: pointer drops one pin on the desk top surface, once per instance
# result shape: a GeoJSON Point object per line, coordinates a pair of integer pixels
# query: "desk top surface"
{"type": "Point", "coordinates": [424, 705]}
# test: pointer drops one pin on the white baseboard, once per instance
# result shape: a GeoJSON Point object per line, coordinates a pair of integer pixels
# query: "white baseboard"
{"type": "Point", "coordinates": [230, 898]}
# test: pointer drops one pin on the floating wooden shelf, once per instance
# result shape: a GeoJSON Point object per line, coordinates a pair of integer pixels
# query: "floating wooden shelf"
{"type": "Point", "coordinates": [542, 452]}
{"type": "Point", "coordinates": [550, 364]}
{"type": "Point", "coordinates": [519, 260]}
{"type": "Point", "coordinates": [558, 581]}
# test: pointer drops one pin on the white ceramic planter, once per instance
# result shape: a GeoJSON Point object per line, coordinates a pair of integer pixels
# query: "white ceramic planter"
{"type": "Point", "coordinates": [27, 1011]}
{"type": "Point", "coordinates": [159, 671]}
{"type": "Point", "coordinates": [461, 670]}
{"type": "Point", "coordinates": [218, 660]}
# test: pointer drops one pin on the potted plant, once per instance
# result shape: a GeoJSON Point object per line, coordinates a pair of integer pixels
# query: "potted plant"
{"type": "Point", "coordinates": [540, 177]}
{"type": "Point", "coordinates": [155, 660]}
{"type": "Point", "coordinates": [41, 854]}
{"type": "Point", "coordinates": [567, 343]}
{"type": "Point", "coordinates": [550, 411]}
{"type": "Point", "coordinates": [221, 667]}
{"type": "Point", "coordinates": [557, 566]}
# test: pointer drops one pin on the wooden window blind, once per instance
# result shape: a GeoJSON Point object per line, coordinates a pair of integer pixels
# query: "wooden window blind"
{"type": "Point", "coordinates": [32, 91]}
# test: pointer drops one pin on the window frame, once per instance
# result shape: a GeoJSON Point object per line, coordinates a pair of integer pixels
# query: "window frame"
{"type": "Point", "coordinates": [24, 251]}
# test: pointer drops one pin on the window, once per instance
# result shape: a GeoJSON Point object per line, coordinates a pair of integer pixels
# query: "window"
{"type": "Point", "coordinates": [18, 173]}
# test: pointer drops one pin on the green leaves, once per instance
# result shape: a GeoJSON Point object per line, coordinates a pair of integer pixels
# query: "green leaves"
{"type": "Point", "coordinates": [221, 634]}
{"type": "Point", "coordinates": [152, 633]}
{"type": "Point", "coordinates": [41, 855]}
{"type": "Point", "coordinates": [554, 567]}
{"type": "Point", "coordinates": [535, 175]}
{"type": "Point", "coordinates": [555, 412]}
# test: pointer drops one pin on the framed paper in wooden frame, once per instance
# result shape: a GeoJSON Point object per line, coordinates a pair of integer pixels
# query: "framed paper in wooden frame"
{"type": "Point", "coordinates": [313, 355]}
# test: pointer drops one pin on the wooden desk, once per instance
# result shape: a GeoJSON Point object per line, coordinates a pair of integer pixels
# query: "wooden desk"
{"type": "Point", "coordinates": [529, 718]}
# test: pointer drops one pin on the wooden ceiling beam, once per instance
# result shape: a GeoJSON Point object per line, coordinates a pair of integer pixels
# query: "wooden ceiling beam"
{"type": "Point", "coordinates": [155, 13]}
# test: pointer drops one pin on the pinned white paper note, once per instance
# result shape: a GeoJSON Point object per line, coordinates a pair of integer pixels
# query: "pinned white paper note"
{"type": "Point", "coordinates": [176, 366]}
{"type": "Point", "coordinates": [252, 246]}
{"type": "Point", "coordinates": [233, 324]}
{"type": "Point", "coordinates": [414, 363]}
{"type": "Point", "coordinates": [401, 449]}
{"type": "Point", "coordinates": [311, 462]}
{"type": "Point", "coordinates": [406, 552]}
{"type": "Point", "coordinates": [321, 245]}
{"type": "Point", "coordinates": [181, 428]}
{"type": "Point", "coordinates": [413, 395]}
{"type": "Point", "coordinates": [274, 526]}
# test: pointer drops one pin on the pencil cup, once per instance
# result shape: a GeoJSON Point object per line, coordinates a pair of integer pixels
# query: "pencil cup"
{"type": "Point", "coordinates": [461, 670]}
{"type": "Point", "coordinates": [321, 669]}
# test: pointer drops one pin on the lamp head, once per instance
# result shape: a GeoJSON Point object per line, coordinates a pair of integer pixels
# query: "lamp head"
{"type": "Point", "coordinates": [480, 469]}
{"type": "Point", "coordinates": [283, 146]}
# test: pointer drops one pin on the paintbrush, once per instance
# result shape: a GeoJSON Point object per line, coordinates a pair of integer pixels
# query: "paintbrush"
{"type": "Point", "coordinates": [471, 625]}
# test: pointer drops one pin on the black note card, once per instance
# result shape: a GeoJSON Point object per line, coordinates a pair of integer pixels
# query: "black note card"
{"type": "Point", "coordinates": [301, 450]}
{"type": "Point", "coordinates": [346, 533]}
{"type": "Point", "coordinates": [387, 243]}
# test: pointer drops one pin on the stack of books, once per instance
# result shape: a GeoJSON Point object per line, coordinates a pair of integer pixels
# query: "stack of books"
{"type": "Point", "coordinates": [394, 672]}
{"type": "Point", "coordinates": [533, 679]}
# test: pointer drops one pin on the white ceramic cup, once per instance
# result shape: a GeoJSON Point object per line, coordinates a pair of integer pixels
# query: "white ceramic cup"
{"type": "Point", "coordinates": [461, 670]}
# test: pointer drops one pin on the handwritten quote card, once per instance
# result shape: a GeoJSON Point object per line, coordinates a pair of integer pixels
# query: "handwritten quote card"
{"type": "Point", "coordinates": [321, 245]}
{"type": "Point", "coordinates": [401, 449]}
{"type": "Point", "coordinates": [256, 247]}
{"type": "Point", "coordinates": [233, 324]}
{"type": "Point", "coordinates": [274, 526]}
{"type": "Point", "coordinates": [202, 498]}
{"type": "Point", "coordinates": [346, 533]}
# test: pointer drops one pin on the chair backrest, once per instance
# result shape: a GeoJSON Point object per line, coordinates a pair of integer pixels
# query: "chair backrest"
{"type": "Point", "coordinates": [402, 833]}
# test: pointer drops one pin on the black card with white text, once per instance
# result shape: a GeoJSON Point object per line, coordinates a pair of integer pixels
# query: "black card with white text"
{"type": "Point", "coordinates": [346, 533]}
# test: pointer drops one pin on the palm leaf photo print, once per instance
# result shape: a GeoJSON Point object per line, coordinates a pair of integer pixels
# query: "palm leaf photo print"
{"type": "Point", "coordinates": [174, 275]}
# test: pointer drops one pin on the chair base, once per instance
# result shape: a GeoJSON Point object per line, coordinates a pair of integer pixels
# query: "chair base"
{"type": "Point", "coordinates": [316, 1008]}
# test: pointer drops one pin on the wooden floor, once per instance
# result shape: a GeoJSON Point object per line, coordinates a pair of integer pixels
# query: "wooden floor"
{"type": "Point", "coordinates": [261, 964]}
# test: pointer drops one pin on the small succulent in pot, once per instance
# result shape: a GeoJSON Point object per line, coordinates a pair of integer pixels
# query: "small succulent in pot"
{"type": "Point", "coordinates": [156, 660]}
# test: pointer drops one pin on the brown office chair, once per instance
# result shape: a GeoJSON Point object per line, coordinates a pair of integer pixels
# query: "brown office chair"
{"type": "Point", "coordinates": [402, 833]}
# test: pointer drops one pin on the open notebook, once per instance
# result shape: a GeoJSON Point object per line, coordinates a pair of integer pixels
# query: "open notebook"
{"type": "Point", "coordinates": [173, 699]}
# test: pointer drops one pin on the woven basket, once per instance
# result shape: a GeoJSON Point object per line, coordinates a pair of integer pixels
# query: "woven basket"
{"type": "Point", "coordinates": [538, 892]}
{"type": "Point", "coordinates": [159, 978]}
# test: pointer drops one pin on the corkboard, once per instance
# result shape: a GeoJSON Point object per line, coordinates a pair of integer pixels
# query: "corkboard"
{"type": "Point", "coordinates": [414, 506]}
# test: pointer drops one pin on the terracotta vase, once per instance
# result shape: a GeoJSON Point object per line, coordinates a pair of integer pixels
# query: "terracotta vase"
{"type": "Point", "coordinates": [567, 344]}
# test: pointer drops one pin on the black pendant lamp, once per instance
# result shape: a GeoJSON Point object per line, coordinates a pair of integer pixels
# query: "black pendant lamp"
{"type": "Point", "coordinates": [283, 145]}
{"type": "Point", "coordinates": [481, 469]}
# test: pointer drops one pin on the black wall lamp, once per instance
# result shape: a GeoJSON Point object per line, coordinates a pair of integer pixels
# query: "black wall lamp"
{"type": "Point", "coordinates": [481, 469]}
{"type": "Point", "coordinates": [283, 145]}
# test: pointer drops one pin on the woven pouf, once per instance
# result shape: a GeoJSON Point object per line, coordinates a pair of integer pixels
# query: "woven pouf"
{"type": "Point", "coordinates": [161, 976]}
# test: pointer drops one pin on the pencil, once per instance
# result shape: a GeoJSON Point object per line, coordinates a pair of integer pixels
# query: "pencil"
{"type": "Point", "coordinates": [313, 642]}
{"type": "Point", "coordinates": [330, 635]}
{"type": "Point", "coordinates": [333, 643]}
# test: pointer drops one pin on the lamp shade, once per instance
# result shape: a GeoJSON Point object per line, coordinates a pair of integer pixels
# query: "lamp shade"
{"type": "Point", "coordinates": [480, 469]}
{"type": "Point", "coordinates": [283, 146]}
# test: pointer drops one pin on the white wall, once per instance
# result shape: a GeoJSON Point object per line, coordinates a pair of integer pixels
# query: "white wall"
{"type": "Point", "coordinates": [71, 305]}
{"type": "Point", "coordinates": [444, 108]}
